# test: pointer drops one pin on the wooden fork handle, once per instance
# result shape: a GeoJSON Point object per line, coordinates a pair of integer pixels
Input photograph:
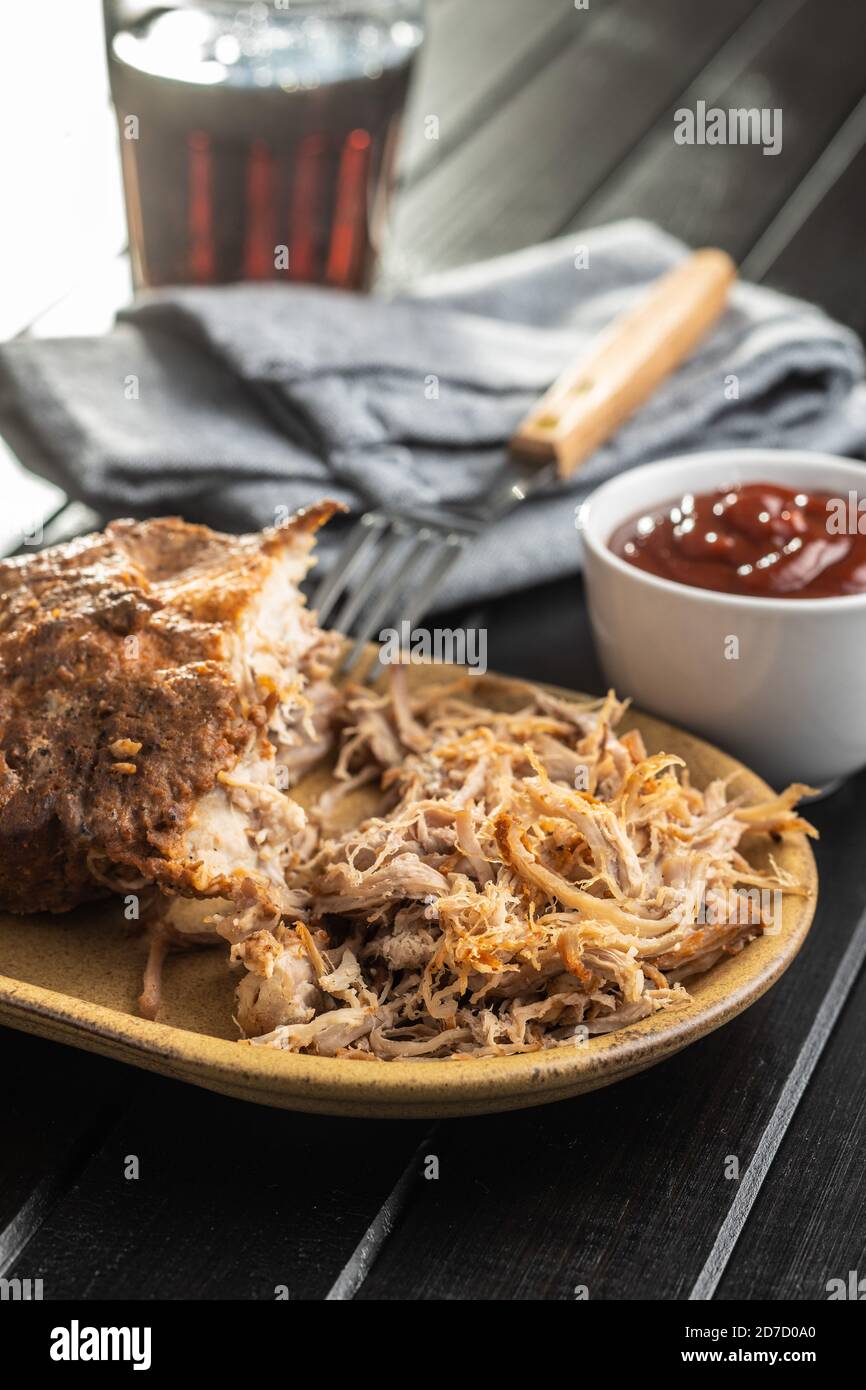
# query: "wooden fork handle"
{"type": "Point", "coordinates": [591, 399]}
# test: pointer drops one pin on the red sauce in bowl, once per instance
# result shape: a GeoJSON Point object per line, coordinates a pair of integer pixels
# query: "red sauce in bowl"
{"type": "Point", "coordinates": [753, 539]}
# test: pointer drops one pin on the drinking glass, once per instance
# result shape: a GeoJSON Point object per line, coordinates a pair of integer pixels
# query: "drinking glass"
{"type": "Point", "coordinates": [258, 140]}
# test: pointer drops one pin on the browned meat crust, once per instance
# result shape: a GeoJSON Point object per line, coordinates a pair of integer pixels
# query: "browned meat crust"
{"type": "Point", "coordinates": [125, 692]}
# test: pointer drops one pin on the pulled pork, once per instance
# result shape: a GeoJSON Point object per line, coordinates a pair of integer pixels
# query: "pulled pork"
{"type": "Point", "coordinates": [529, 878]}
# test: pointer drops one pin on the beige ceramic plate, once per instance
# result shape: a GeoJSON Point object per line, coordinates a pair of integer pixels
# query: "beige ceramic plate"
{"type": "Point", "coordinates": [75, 979]}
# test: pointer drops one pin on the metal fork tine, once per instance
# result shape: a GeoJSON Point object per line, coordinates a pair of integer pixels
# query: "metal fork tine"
{"type": "Point", "coordinates": [381, 561]}
{"type": "Point", "coordinates": [393, 540]}
{"type": "Point", "coordinates": [451, 549]}
{"type": "Point", "coordinates": [384, 604]}
{"type": "Point", "coordinates": [361, 539]}
{"type": "Point", "coordinates": [443, 557]}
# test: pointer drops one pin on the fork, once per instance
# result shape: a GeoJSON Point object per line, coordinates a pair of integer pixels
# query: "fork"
{"type": "Point", "coordinates": [394, 562]}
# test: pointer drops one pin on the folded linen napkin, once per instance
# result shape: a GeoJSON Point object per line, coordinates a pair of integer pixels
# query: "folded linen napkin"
{"type": "Point", "coordinates": [231, 404]}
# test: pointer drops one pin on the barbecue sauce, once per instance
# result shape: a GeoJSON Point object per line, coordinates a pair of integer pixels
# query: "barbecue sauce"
{"type": "Point", "coordinates": [753, 539]}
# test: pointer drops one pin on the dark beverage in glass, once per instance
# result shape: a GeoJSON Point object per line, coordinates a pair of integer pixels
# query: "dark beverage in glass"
{"type": "Point", "coordinates": [258, 140]}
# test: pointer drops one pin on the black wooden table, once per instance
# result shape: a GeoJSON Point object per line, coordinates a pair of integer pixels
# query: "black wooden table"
{"type": "Point", "coordinates": [551, 118]}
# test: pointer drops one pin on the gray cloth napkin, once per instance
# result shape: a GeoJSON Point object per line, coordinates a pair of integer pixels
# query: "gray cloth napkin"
{"type": "Point", "coordinates": [231, 404]}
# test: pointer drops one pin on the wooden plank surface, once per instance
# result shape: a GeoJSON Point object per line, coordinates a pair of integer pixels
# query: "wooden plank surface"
{"type": "Point", "coordinates": [823, 260]}
{"type": "Point", "coordinates": [516, 179]}
{"type": "Point", "coordinates": [52, 1125]}
{"type": "Point", "coordinates": [232, 1201]}
{"type": "Point", "coordinates": [475, 57]}
{"type": "Point", "coordinates": [808, 1226]}
{"type": "Point", "coordinates": [804, 57]}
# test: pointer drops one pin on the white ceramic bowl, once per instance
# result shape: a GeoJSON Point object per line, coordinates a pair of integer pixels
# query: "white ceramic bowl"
{"type": "Point", "coordinates": [793, 703]}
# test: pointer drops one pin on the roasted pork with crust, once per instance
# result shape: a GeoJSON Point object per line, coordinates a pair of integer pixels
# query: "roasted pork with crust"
{"type": "Point", "coordinates": [160, 686]}
{"type": "Point", "coordinates": [530, 876]}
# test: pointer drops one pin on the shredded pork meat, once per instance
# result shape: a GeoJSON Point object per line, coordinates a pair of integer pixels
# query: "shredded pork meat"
{"type": "Point", "coordinates": [525, 876]}
{"type": "Point", "coordinates": [530, 878]}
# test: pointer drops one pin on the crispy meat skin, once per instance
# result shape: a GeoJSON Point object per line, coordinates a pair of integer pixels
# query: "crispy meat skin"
{"type": "Point", "coordinates": [123, 638]}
